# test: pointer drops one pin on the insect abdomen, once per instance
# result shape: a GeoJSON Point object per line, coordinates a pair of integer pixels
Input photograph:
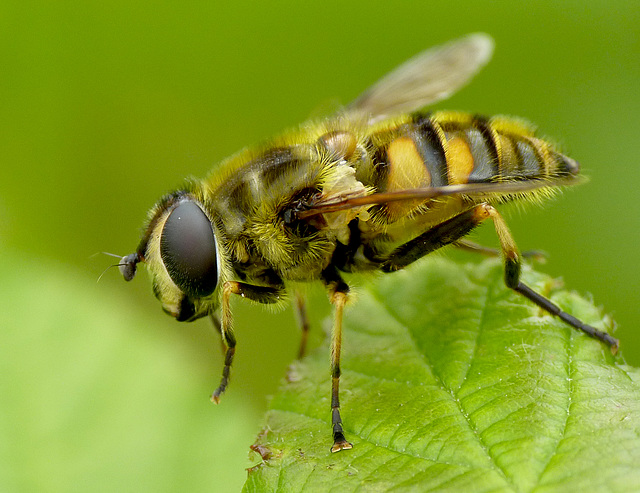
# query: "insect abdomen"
{"type": "Point", "coordinates": [447, 148]}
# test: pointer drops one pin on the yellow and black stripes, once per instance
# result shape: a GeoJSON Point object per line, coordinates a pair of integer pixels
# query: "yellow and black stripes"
{"type": "Point", "coordinates": [470, 148]}
{"type": "Point", "coordinates": [428, 140]}
{"type": "Point", "coordinates": [265, 182]}
{"type": "Point", "coordinates": [447, 148]}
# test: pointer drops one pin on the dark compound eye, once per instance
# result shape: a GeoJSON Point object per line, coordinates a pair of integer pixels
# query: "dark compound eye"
{"type": "Point", "coordinates": [188, 250]}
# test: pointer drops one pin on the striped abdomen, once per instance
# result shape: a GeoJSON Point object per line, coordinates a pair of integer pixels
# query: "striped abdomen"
{"type": "Point", "coordinates": [448, 148]}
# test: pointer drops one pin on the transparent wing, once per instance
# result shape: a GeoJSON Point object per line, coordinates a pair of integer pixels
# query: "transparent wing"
{"type": "Point", "coordinates": [476, 190]}
{"type": "Point", "coordinates": [430, 76]}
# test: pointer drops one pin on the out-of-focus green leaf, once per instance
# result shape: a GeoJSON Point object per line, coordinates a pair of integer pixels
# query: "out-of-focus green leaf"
{"type": "Point", "coordinates": [452, 382]}
{"type": "Point", "coordinates": [95, 397]}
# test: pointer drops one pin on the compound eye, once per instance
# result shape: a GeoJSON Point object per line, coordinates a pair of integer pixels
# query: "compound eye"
{"type": "Point", "coordinates": [188, 250]}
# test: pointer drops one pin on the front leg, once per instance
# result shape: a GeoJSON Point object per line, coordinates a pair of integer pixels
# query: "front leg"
{"type": "Point", "coordinates": [261, 294]}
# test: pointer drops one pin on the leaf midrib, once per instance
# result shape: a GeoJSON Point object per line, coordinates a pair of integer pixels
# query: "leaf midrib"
{"type": "Point", "coordinates": [570, 392]}
{"type": "Point", "coordinates": [472, 427]}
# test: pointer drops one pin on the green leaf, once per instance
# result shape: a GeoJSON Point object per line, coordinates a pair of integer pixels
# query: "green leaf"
{"type": "Point", "coordinates": [97, 395]}
{"type": "Point", "coordinates": [452, 382]}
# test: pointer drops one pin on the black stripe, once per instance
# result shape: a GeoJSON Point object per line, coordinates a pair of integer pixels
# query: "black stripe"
{"type": "Point", "coordinates": [485, 169]}
{"type": "Point", "coordinates": [275, 163]}
{"type": "Point", "coordinates": [380, 165]}
{"type": "Point", "coordinates": [531, 164]}
{"type": "Point", "coordinates": [430, 148]}
{"type": "Point", "coordinates": [379, 171]}
{"type": "Point", "coordinates": [482, 124]}
{"type": "Point", "coordinates": [240, 198]}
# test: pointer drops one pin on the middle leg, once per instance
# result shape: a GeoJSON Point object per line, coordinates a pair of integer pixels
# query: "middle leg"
{"type": "Point", "coordinates": [338, 294]}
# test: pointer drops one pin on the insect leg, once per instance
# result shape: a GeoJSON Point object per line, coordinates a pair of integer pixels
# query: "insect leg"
{"type": "Point", "coordinates": [338, 295]}
{"type": "Point", "coordinates": [472, 246]}
{"type": "Point", "coordinates": [303, 322]}
{"type": "Point", "coordinates": [454, 229]}
{"type": "Point", "coordinates": [512, 280]}
{"type": "Point", "coordinates": [216, 324]}
{"type": "Point", "coordinates": [261, 294]}
{"type": "Point", "coordinates": [445, 233]}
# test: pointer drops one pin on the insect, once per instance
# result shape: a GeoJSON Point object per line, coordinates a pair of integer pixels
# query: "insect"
{"type": "Point", "coordinates": [376, 187]}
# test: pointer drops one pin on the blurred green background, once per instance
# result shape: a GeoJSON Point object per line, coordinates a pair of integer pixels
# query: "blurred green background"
{"type": "Point", "coordinates": [104, 106]}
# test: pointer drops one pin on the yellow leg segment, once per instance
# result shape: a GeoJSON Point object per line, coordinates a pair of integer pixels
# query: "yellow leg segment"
{"type": "Point", "coordinates": [338, 299]}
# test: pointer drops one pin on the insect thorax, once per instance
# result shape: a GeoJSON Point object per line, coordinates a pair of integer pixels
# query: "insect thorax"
{"type": "Point", "coordinates": [260, 195]}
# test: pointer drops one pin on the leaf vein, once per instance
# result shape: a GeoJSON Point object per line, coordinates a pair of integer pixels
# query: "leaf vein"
{"type": "Point", "coordinates": [470, 423]}
{"type": "Point", "coordinates": [570, 392]}
{"type": "Point", "coordinates": [481, 321]}
{"type": "Point", "coordinates": [385, 447]}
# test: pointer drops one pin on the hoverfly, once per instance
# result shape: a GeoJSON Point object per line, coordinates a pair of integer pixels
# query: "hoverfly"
{"type": "Point", "coordinates": [376, 187]}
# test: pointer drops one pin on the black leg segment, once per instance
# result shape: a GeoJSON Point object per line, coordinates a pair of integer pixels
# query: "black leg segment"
{"type": "Point", "coordinates": [452, 231]}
